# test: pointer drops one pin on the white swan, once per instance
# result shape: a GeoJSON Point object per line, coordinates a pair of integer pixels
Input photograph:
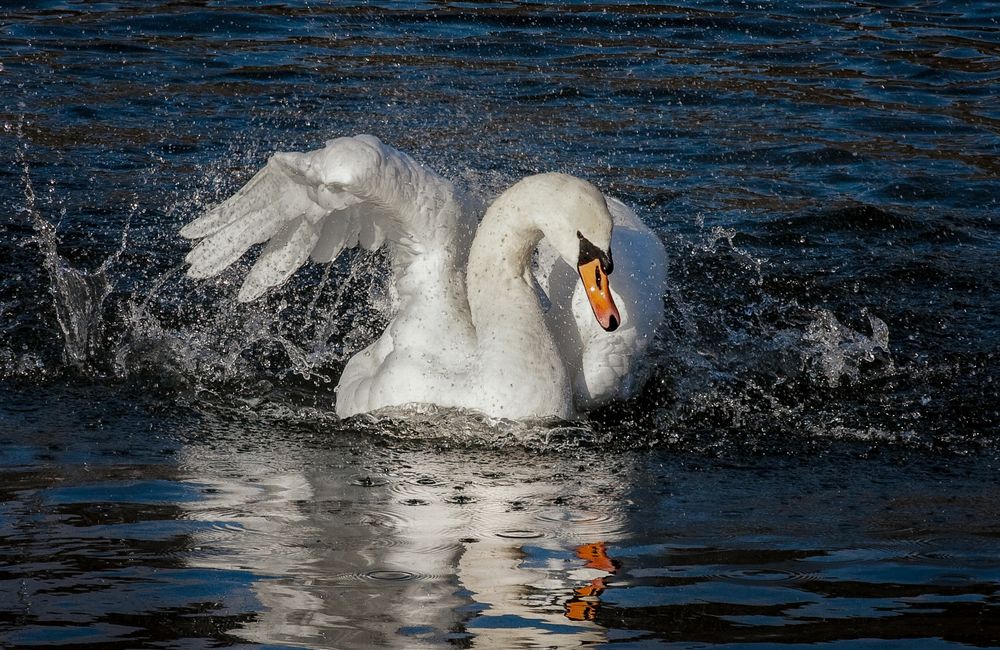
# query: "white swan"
{"type": "Point", "coordinates": [469, 331]}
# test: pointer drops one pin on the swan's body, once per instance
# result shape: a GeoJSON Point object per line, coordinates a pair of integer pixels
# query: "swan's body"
{"type": "Point", "coordinates": [469, 331]}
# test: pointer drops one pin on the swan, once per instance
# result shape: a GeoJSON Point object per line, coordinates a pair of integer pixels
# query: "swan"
{"type": "Point", "coordinates": [470, 330]}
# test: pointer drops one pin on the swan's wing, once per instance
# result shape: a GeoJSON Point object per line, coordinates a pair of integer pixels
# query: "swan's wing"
{"type": "Point", "coordinates": [354, 192]}
{"type": "Point", "coordinates": [607, 365]}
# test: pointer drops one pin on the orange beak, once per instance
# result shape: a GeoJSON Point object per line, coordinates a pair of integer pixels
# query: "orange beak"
{"type": "Point", "coordinates": [595, 282]}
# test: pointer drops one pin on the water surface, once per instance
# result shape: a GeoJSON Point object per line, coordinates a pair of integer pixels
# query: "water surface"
{"type": "Point", "coordinates": [813, 460]}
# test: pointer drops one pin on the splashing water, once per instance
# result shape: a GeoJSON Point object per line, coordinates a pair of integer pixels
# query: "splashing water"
{"type": "Point", "coordinates": [839, 353]}
{"type": "Point", "coordinates": [78, 297]}
{"type": "Point", "coordinates": [230, 344]}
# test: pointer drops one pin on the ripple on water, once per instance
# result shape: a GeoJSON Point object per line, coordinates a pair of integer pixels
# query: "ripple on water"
{"type": "Point", "coordinates": [368, 481]}
{"type": "Point", "coordinates": [386, 519]}
{"type": "Point", "coordinates": [520, 534]}
{"type": "Point", "coordinates": [770, 576]}
{"type": "Point", "coordinates": [587, 524]}
{"type": "Point", "coordinates": [388, 575]}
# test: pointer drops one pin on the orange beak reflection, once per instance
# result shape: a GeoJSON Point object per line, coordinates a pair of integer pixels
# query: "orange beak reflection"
{"type": "Point", "coordinates": [595, 282]}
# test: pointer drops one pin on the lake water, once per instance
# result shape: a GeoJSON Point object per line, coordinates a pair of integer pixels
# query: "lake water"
{"type": "Point", "coordinates": [813, 462]}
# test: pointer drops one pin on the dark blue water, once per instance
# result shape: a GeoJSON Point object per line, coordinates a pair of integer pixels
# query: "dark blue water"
{"type": "Point", "coordinates": [814, 460]}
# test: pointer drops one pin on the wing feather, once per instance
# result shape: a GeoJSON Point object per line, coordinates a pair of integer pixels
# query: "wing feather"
{"type": "Point", "coordinates": [337, 234]}
{"type": "Point", "coordinates": [282, 256]}
{"type": "Point", "coordinates": [259, 194]}
{"type": "Point", "coordinates": [353, 192]}
{"type": "Point", "coordinates": [220, 249]}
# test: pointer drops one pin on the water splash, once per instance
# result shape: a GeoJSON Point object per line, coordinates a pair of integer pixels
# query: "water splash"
{"type": "Point", "coordinates": [838, 353]}
{"type": "Point", "coordinates": [78, 296]}
{"type": "Point", "coordinates": [183, 334]}
{"type": "Point", "coordinates": [738, 363]}
{"type": "Point", "coordinates": [195, 335]}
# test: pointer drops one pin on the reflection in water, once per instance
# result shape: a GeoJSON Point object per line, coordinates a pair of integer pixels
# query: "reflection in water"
{"type": "Point", "coordinates": [433, 546]}
{"type": "Point", "coordinates": [586, 599]}
{"type": "Point", "coordinates": [227, 532]}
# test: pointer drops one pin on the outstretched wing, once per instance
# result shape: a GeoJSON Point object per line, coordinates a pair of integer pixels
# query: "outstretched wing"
{"type": "Point", "coordinates": [607, 365]}
{"type": "Point", "coordinates": [355, 191]}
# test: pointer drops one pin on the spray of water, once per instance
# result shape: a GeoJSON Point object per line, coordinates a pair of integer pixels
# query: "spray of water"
{"type": "Point", "coordinates": [78, 296]}
{"type": "Point", "coordinates": [838, 353]}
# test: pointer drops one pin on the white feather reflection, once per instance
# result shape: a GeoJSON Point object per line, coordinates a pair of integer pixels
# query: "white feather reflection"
{"type": "Point", "coordinates": [443, 547]}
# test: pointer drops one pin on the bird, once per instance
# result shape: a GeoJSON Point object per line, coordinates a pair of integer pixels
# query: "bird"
{"type": "Point", "coordinates": [513, 316]}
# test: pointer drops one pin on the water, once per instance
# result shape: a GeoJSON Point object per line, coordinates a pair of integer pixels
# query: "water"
{"type": "Point", "coordinates": [814, 460]}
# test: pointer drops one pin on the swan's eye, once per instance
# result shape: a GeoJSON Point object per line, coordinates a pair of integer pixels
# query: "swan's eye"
{"type": "Point", "coordinates": [589, 253]}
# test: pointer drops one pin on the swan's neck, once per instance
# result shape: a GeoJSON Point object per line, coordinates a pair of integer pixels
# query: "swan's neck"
{"type": "Point", "coordinates": [517, 355]}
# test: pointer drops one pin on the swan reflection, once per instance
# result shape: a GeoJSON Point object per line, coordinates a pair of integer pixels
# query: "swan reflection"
{"type": "Point", "coordinates": [410, 549]}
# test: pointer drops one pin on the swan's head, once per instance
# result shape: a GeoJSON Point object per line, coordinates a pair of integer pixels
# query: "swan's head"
{"type": "Point", "coordinates": [574, 218]}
